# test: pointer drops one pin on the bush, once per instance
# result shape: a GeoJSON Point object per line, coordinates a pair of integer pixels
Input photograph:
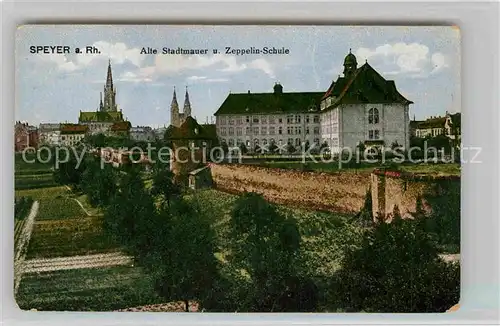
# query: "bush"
{"type": "Point", "coordinates": [397, 269]}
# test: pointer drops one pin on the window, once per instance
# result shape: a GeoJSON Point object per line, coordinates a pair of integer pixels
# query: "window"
{"type": "Point", "coordinates": [222, 120]}
{"type": "Point", "coordinates": [271, 119]}
{"type": "Point", "coordinates": [307, 118]}
{"type": "Point", "coordinates": [280, 130]}
{"type": "Point", "coordinates": [256, 141]}
{"type": "Point", "coordinates": [298, 130]}
{"type": "Point", "coordinates": [297, 141]}
{"type": "Point", "coordinates": [247, 131]}
{"type": "Point", "coordinates": [289, 130]}
{"type": "Point", "coordinates": [255, 120]}
{"type": "Point", "coordinates": [373, 134]}
{"type": "Point", "coordinates": [289, 119]}
{"type": "Point", "coordinates": [272, 130]}
{"type": "Point", "coordinates": [239, 141]}
{"type": "Point", "coordinates": [248, 119]}
{"type": "Point", "coordinates": [238, 120]}
{"type": "Point", "coordinates": [263, 119]}
{"type": "Point", "coordinates": [373, 117]}
{"type": "Point", "coordinates": [255, 130]}
{"type": "Point", "coordinates": [316, 130]}
{"type": "Point", "coordinates": [239, 131]}
{"type": "Point", "coordinates": [280, 120]}
{"type": "Point", "coordinates": [231, 142]}
{"type": "Point", "coordinates": [231, 131]}
{"type": "Point", "coordinates": [264, 141]}
{"type": "Point", "coordinates": [263, 130]}
{"type": "Point", "coordinates": [316, 119]}
{"type": "Point", "coordinates": [231, 121]}
{"type": "Point", "coordinates": [223, 131]}
{"type": "Point", "coordinates": [290, 141]}
{"type": "Point", "coordinates": [307, 130]}
{"type": "Point", "coordinates": [297, 119]}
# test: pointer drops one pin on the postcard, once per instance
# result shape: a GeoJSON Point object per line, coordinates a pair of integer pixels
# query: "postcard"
{"type": "Point", "coordinates": [186, 168]}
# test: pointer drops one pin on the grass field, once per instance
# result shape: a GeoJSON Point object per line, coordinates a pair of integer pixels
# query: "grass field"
{"type": "Point", "coordinates": [79, 235]}
{"type": "Point", "coordinates": [103, 289]}
{"type": "Point", "coordinates": [18, 227]}
{"type": "Point", "coordinates": [324, 235]}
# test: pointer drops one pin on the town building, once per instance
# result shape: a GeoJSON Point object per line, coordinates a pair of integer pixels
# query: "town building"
{"type": "Point", "coordinates": [449, 125]}
{"type": "Point", "coordinates": [260, 119]}
{"type": "Point", "coordinates": [177, 118]}
{"type": "Point", "coordinates": [49, 134]}
{"type": "Point", "coordinates": [142, 133]}
{"type": "Point", "coordinates": [72, 134]}
{"type": "Point", "coordinates": [25, 136]}
{"type": "Point", "coordinates": [107, 115]}
{"type": "Point", "coordinates": [362, 107]}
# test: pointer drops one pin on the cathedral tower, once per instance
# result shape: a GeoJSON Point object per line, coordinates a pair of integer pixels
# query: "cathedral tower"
{"type": "Point", "coordinates": [109, 104]}
{"type": "Point", "coordinates": [187, 105]}
{"type": "Point", "coordinates": [350, 64]}
{"type": "Point", "coordinates": [174, 111]}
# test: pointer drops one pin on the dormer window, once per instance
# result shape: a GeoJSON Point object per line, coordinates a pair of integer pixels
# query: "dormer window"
{"type": "Point", "coordinates": [196, 131]}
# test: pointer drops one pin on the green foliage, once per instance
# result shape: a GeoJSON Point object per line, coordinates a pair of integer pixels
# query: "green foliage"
{"type": "Point", "coordinates": [99, 183]}
{"type": "Point", "coordinates": [164, 186]}
{"type": "Point", "coordinates": [397, 269]}
{"type": "Point", "coordinates": [266, 245]}
{"type": "Point", "coordinates": [184, 264]}
{"type": "Point", "coordinates": [22, 207]}
{"type": "Point", "coordinates": [70, 172]}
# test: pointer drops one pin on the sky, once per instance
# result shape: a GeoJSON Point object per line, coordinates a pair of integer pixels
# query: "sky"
{"type": "Point", "coordinates": [423, 61]}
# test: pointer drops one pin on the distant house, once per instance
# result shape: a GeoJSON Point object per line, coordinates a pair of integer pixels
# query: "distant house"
{"type": "Point", "coordinates": [142, 133]}
{"type": "Point", "coordinates": [49, 134]}
{"type": "Point", "coordinates": [200, 178]}
{"type": "Point", "coordinates": [71, 134]}
{"type": "Point", "coordinates": [25, 136]}
{"type": "Point", "coordinates": [449, 125]}
{"type": "Point", "coordinates": [120, 129]}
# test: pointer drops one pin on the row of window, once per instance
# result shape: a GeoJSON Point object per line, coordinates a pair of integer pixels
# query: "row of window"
{"type": "Point", "coordinates": [237, 142]}
{"type": "Point", "coordinates": [72, 137]}
{"type": "Point", "coordinates": [238, 131]}
{"type": "Point", "coordinates": [264, 119]}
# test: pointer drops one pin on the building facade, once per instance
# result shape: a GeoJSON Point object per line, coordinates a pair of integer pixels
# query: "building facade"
{"type": "Point", "coordinates": [260, 119]}
{"type": "Point", "coordinates": [363, 108]}
{"type": "Point", "coordinates": [359, 108]}
{"type": "Point", "coordinates": [25, 136]}
{"type": "Point", "coordinates": [50, 134]}
{"type": "Point", "coordinates": [107, 115]}
{"type": "Point", "coordinates": [72, 134]}
{"type": "Point", "coordinates": [449, 125]}
{"type": "Point", "coordinates": [177, 118]}
{"type": "Point", "coordinates": [142, 133]}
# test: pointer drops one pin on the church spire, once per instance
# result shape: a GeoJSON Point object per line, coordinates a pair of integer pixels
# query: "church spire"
{"type": "Point", "coordinates": [174, 111]}
{"type": "Point", "coordinates": [109, 78]}
{"type": "Point", "coordinates": [100, 102]}
{"type": "Point", "coordinates": [109, 92]}
{"type": "Point", "coordinates": [187, 105]}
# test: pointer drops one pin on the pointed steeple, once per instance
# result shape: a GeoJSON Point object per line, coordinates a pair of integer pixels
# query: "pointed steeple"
{"type": "Point", "coordinates": [187, 105]}
{"type": "Point", "coordinates": [109, 78]}
{"type": "Point", "coordinates": [174, 111]}
{"type": "Point", "coordinates": [109, 104]}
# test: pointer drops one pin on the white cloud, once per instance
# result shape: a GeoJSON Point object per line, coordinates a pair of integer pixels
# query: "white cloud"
{"type": "Point", "coordinates": [217, 80]}
{"type": "Point", "coordinates": [412, 59]}
{"type": "Point", "coordinates": [195, 78]}
{"type": "Point", "coordinates": [172, 64]}
{"type": "Point", "coordinates": [133, 77]}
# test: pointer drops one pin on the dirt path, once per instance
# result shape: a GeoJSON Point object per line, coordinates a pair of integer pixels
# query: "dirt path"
{"type": "Point", "coordinates": [76, 262]}
{"type": "Point", "coordinates": [22, 245]}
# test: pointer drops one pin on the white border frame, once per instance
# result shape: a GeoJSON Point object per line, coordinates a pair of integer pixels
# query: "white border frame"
{"type": "Point", "coordinates": [479, 26]}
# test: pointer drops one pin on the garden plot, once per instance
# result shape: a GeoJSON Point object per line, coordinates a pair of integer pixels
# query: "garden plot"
{"type": "Point", "coordinates": [77, 262]}
{"type": "Point", "coordinates": [97, 289]}
{"type": "Point", "coordinates": [80, 235]}
{"type": "Point", "coordinates": [60, 207]}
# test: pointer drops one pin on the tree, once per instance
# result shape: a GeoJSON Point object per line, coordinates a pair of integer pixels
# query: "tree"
{"type": "Point", "coordinates": [243, 148]}
{"type": "Point", "coordinates": [266, 247]}
{"type": "Point", "coordinates": [99, 184]}
{"type": "Point", "coordinates": [396, 269]}
{"type": "Point", "coordinates": [186, 267]}
{"type": "Point", "coordinates": [164, 186]}
{"type": "Point", "coordinates": [70, 172]}
{"type": "Point", "coordinates": [273, 147]}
